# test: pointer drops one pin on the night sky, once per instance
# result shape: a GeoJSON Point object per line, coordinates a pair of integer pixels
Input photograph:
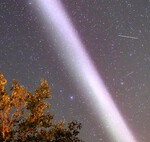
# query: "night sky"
{"type": "Point", "coordinates": [116, 36]}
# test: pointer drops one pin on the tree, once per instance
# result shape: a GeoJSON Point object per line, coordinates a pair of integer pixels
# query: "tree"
{"type": "Point", "coordinates": [24, 116]}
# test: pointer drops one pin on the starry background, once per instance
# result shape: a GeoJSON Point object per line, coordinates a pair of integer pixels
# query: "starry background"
{"type": "Point", "coordinates": [27, 54]}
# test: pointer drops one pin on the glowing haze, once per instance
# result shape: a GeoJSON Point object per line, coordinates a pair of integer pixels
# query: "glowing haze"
{"type": "Point", "coordinates": [81, 66]}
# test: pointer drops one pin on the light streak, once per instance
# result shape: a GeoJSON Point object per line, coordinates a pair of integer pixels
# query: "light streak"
{"type": "Point", "coordinates": [130, 73]}
{"type": "Point", "coordinates": [129, 37]}
{"type": "Point", "coordinates": [80, 64]}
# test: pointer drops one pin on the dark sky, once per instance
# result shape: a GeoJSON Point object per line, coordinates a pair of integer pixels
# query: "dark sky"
{"type": "Point", "coordinates": [116, 35]}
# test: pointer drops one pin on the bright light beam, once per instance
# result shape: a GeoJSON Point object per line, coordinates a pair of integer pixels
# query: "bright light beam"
{"type": "Point", "coordinates": [81, 64]}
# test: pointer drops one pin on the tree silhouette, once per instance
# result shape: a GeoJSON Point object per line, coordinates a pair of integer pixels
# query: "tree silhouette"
{"type": "Point", "coordinates": [24, 116]}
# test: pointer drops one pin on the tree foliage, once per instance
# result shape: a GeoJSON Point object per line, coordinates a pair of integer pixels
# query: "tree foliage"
{"type": "Point", "coordinates": [24, 116]}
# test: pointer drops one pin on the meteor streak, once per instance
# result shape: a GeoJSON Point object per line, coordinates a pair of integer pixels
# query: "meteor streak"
{"type": "Point", "coordinates": [130, 37]}
{"type": "Point", "coordinates": [130, 73]}
{"type": "Point", "coordinates": [80, 64]}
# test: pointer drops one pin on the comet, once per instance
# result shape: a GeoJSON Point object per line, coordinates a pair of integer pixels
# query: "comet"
{"type": "Point", "coordinates": [81, 66]}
